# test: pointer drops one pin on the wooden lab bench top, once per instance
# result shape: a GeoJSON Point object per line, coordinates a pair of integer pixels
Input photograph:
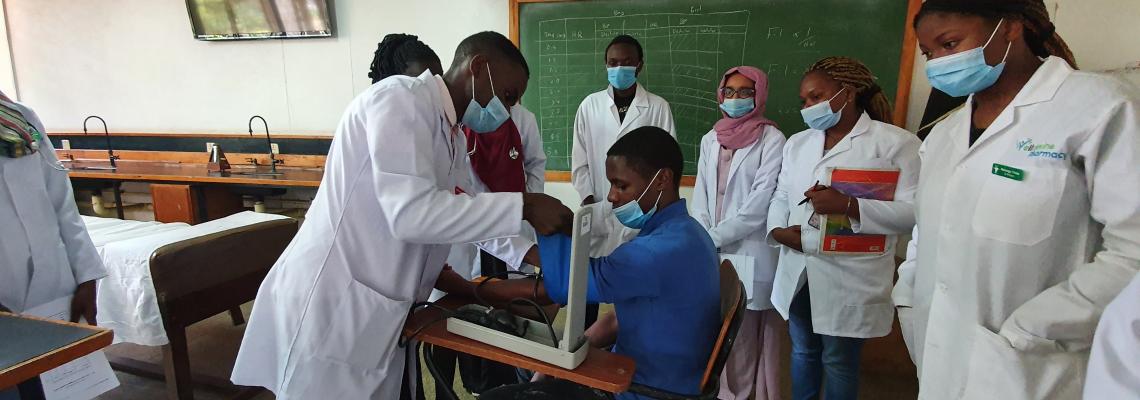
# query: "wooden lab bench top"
{"type": "Point", "coordinates": [190, 167]}
{"type": "Point", "coordinates": [601, 369]}
{"type": "Point", "coordinates": [151, 171]}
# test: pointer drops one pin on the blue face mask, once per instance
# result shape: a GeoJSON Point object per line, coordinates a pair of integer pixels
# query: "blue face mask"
{"type": "Point", "coordinates": [820, 116]}
{"type": "Point", "coordinates": [622, 77]}
{"type": "Point", "coordinates": [736, 108]}
{"type": "Point", "coordinates": [630, 214]}
{"type": "Point", "coordinates": [485, 119]}
{"type": "Point", "coordinates": [965, 73]}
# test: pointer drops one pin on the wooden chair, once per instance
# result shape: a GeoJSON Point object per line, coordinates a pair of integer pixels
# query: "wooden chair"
{"type": "Point", "coordinates": [731, 312]}
{"type": "Point", "coordinates": [198, 278]}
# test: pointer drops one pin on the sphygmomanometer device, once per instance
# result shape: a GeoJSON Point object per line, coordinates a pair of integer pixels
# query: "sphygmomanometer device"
{"type": "Point", "coordinates": [530, 338]}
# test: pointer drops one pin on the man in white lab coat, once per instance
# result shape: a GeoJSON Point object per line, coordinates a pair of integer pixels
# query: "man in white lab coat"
{"type": "Point", "coordinates": [45, 252]}
{"type": "Point", "coordinates": [602, 118]}
{"type": "Point", "coordinates": [327, 318]}
{"type": "Point", "coordinates": [509, 159]}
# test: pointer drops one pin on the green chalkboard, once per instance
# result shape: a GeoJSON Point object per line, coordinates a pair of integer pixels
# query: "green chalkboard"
{"type": "Point", "coordinates": [688, 45]}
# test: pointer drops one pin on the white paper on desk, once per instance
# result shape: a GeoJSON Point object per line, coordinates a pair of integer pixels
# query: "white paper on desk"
{"type": "Point", "coordinates": [745, 267]}
{"type": "Point", "coordinates": [82, 379]}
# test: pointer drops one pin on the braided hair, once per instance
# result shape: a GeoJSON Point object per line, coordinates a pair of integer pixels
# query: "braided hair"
{"type": "Point", "coordinates": [395, 52]}
{"type": "Point", "coordinates": [1040, 33]}
{"type": "Point", "coordinates": [853, 75]}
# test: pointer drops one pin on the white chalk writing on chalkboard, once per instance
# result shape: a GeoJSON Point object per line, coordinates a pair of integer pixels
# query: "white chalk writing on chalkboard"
{"type": "Point", "coordinates": [684, 61]}
{"type": "Point", "coordinates": [694, 48]}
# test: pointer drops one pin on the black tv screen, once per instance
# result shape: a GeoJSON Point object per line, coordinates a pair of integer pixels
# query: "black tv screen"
{"type": "Point", "coordinates": [260, 19]}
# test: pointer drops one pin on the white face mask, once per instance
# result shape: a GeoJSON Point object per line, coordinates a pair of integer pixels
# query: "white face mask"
{"type": "Point", "coordinates": [485, 119]}
{"type": "Point", "coordinates": [966, 73]}
{"type": "Point", "coordinates": [820, 116]}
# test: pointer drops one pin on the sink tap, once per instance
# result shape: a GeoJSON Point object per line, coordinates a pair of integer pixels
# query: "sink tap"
{"type": "Point", "coordinates": [273, 161]}
{"type": "Point", "coordinates": [110, 152]}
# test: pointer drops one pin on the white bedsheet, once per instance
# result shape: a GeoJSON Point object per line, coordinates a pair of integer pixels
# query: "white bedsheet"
{"type": "Point", "coordinates": [126, 297]}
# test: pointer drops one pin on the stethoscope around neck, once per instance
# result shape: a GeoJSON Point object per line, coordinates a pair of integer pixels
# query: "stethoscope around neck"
{"type": "Point", "coordinates": [474, 148]}
{"type": "Point", "coordinates": [450, 137]}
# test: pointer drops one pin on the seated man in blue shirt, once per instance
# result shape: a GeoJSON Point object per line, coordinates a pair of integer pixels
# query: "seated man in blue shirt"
{"type": "Point", "coordinates": [664, 284]}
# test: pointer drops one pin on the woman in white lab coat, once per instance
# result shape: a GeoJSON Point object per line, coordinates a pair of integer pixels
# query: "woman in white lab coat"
{"type": "Point", "coordinates": [835, 301]}
{"type": "Point", "coordinates": [326, 320]}
{"type": "Point", "coordinates": [45, 252]}
{"type": "Point", "coordinates": [1028, 213]}
{"type": "Point", "coordinates": [736, 175]}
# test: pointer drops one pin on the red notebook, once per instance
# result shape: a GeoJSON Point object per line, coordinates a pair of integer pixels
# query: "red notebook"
{"type": "Point", "coordinates": [837, 236]}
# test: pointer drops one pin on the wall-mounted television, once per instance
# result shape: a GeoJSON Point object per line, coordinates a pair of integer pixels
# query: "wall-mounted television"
{"type": "Point", "coordinates": [260, 19]}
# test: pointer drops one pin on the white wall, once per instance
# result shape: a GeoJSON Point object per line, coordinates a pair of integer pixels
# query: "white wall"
{"type": "Point", "coordinates": [135, 63]}
{"type": "Point", "coordinates": [7, 77]}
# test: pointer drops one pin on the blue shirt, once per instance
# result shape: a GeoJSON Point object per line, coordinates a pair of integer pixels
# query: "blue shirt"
{"type": "Point", "coordinates": [665, 287]}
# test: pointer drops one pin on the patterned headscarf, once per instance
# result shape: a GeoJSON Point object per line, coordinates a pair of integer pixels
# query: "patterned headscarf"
{"type": "Point", "coordinates": [18, 137]}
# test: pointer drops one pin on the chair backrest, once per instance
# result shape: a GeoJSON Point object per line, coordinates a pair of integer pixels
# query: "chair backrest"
{"type": "Point", "coordinates": [731, 312]}
{"type": "Point", "coordinates": [185, 267]}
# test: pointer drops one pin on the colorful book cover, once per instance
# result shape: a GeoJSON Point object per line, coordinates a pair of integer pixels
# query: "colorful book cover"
{"type": "Point", "coordinates": [837, 235]}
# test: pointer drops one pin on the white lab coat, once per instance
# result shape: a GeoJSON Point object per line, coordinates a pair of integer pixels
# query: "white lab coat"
{"type": "Point", "coordinates": [1114, 366]}
{"type": "Point", "coordinates": [534, 157]}
{"type": "Point", "coordinates": [327, 317]}
{"type": "Point", "coordinates": [464, 259]}
{"type": "Point", "coordinates": [1010, 275]}
{"type": "Point", "coordinates": [45, 251]}
{"type": "Point", "coordinates": [850, 294]}
{"type": "Point", "coordinates": [901, 292]}
{"type": "Point", "coordinates": [747, 195]}
{"type": "Point", "coordinates": [596, 128]}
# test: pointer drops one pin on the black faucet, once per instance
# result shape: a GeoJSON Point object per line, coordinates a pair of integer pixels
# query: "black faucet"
{"type": "Point", "coordinates": [268, 142]}
{"type": "Point", "coordinates": [110, 152]}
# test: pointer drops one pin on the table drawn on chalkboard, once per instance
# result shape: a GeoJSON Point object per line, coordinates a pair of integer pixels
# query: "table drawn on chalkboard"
{"type": "Point", "coordinates": [685, 54]}
{"type": "Point", "coordinates": [688, 45]}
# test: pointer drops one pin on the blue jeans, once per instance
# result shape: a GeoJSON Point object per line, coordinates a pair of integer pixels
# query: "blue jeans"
{"type": "Point", "coordinates": [815, 356]}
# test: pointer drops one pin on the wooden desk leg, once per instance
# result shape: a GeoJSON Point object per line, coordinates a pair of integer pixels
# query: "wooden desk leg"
{"type": "Point", "coordinates": [118, 198]}
{"type": "Point", "coordinates": [176, 363]}
{"type": "Point", "coordinates": [236, 316]}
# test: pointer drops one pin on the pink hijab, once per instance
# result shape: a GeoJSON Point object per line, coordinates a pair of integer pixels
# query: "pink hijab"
{"type": "Point", "coordinates": [738, 133]}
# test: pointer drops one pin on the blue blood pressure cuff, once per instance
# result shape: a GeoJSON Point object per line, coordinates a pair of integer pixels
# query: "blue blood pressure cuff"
{"type": "Point", "coordinates": [554, 251]}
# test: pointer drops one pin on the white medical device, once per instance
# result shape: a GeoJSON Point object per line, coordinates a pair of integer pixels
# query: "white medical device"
{"type": "Point", "coordinates": [536, 342]}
